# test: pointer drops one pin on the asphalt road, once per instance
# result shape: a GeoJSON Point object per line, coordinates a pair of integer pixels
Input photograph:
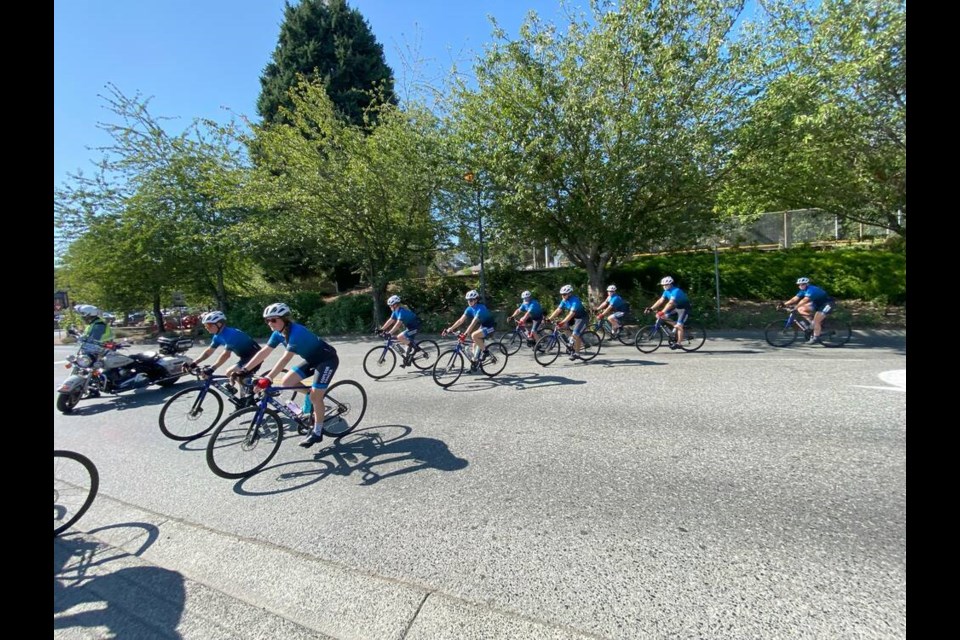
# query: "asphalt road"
{"type": "Point", "coordinates": [738, 492]}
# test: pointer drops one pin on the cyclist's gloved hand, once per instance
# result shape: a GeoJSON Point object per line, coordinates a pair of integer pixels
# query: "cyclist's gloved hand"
{"type": "Point", "coordinates": [208, 371]}
{"type": "Point", "coordinates": [646, 309]}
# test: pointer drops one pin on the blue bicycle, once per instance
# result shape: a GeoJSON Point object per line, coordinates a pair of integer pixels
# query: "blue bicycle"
{"type": "Point", "coordinates": [450, 365]}
{"type": "Point", "coordinates": [249, 438]}
{"type": "Point", "coordinates": [192, 412]}
{"type": "Point", "coordinates": [547, 348]}
{"type": "Point", "coordinates": [380, 361]}
{"type": "Point", "coordinates": [834, 332]}
{"type": "Point", "coordinates": [650, 337]}
{"type": "Point", "coordinates": [518, 337]}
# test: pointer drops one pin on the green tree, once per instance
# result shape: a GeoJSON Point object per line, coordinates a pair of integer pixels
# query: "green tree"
{"type": "Point", "coordinates": [609, 137]}
{"type": "Point", "coordinates": [325, 40]}
{"type": "Point", "coordinates": [829, 132]}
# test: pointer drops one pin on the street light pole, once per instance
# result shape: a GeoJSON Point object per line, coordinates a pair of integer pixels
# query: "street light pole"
{"type": "Point", "coordinates": [471, 179]}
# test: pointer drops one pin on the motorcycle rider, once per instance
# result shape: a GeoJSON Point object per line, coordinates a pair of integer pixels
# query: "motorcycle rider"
{"type": "Point", "coordinates": [233, 340]}
{"type": "Point", "coordinates": [97, 328]}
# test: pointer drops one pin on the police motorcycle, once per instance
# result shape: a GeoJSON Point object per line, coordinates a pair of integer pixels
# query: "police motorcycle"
{"type": "Point", "coordinates": [100, 367]}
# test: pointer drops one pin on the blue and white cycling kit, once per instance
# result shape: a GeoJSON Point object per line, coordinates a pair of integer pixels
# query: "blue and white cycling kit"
{"type": "Point", "coordinates": [318, 356]}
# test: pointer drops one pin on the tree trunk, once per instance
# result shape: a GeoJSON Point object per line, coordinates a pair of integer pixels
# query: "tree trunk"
{"type": "Point", "coordinates": [596, 272]}
{"type": "Point", "coordinates": [221, 293]}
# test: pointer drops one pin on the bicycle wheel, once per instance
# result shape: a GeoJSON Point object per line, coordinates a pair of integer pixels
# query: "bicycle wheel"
{"type": "Point", "coordinates": [602, 330]}
{"type": "Point", "coordinates": [512, 342]}
{"type": "Point", "coordinates": [546, 350]}
{"type": "Point", "coordinates": [75, 484]}
{"type": "Point", "coordinates": [379, 362]}
{"type": "Point", "coordinates": [345, 402]}
{"type": "Point", "coordinates": [694, 335]}
{"type": "Point", "coordinates": [239, 448]}
{"type": "Point", "coordinates": [590, 347]}
{"type": "Point", "coordinates": [496, 361]}
{"type": "Point", "coordinates": [648, 339]}
{"type": "Point", "coordinates": [190, 413]}
{"type": "Point", "coordinates": [834, 333]}
{"type": "Point", "coordinates": [626, 336]}
{"type": "Point", "coordinates": [780, 334]}
{"type": "Point", "coordinates": [449, 368]}
{"type": "Point", "coordinates": [426, 354]}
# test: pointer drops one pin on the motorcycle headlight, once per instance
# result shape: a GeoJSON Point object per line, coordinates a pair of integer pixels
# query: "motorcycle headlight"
{"type": "Point", "coordinates": [83, 360]}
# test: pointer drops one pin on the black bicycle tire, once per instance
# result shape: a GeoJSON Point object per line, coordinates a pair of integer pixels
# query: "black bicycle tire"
{"type": "Point", "coordinates": [687, 343]}
{"type": "Point", "coordinates": [625, 337]}
{"type": "Point", "coordinates": [780, 328]}
{"type": "Point", "coordinates": [514, 340]}
{"type": "Point", "coordinates": [501, 359]}
{"type": "Point", "coordinates": [432, 352]}
{"type": "Point", "coordinates": [166, 406]}
{"type": "Point", "coordinates": [237, 415]}
{"type": "Point", "coordinates": [452, 354]}
{"type": "Point", "coordinates": [94, 474]}
{"type": "Point", "coordinates": [379, 352]}
{"type": "Point", "coordinates": [545, 345]}
{"type": "Point", "coordinates": [331, 392]}
{"type": "Point", "coordinates": [649, 331]}
{"type": "Point", "coordinates": [834, 333]}
{"type": "Point", "coordinates": [586, 336]}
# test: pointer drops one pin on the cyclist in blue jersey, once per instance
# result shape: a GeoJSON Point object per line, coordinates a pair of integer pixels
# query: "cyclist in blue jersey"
{"type": "Point", "coordinates": [811, 300]}
{"type": "Point", "coordinates": [614, 308]}
{"type": "Point", "coordinates": [319, 360]}
{"type": "Point", "coordinates": [673, 298]}
{"type": "Point", "coordinates": [404, 324]}
{"type": "Point", "coordinates": [533, 312]}
{"type": "Point", "coordinates": [576, 317]}
{"type": "Point", "coordinates": [483, 319]}
{"type": "Point", "coordinates": [232, 340]}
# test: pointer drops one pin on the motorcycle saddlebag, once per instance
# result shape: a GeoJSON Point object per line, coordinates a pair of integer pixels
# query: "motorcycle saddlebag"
{"type": "Point", "coordinates": [170, 346]}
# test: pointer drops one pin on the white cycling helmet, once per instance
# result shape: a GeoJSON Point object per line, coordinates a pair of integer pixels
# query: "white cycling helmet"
{"type": "Point", "coordinates": [666, 280]}
{"type": "Point", "coordinates": [213, 317]}
{"type": "Point", "coordinates": [566, 289]}
{"type": "Point", "coordinates": [472, 294]}
{"type": "Point", "coordinates": [392, 300]}
{"type": "Point", "coordinates": [526, 295]}
{"type": "Point", "coordinates": [612, 288]}
{"type": "Point", "coordinates": [803, 280]}
{"type": "Point", "coordinates": [276, 310]}
{"type": "Point", "coordinates": [88, 310]}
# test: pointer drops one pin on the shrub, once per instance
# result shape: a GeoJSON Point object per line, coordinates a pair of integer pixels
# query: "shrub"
{"type": "Point", "coordinates": [346, 314]}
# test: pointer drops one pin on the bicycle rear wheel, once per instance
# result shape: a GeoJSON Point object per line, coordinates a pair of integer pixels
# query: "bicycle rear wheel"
{"type": "Point", "coordinates": [239, 448]}
{"type": "Point", "coordinates": [379, 362]}
{"type": "Point", "coordinates": [511, 342]}
{"type": "Point", "coordinates": [546, 350]}
{"type": "Point", "coordinates": [496, 361]}
{"type": "Point", "coordinates": [345, 402]}
{"type": "Point", "coordinates": [75, 484]}
{"type": "Point", "coordinates": [694, 335]}
{"type": "Point", "coordinates": [190, 413]}
{"type": "Point", "coordinates": [449, 368]}
{"type": "Point", "coordinates": [780, 334]}
{"type": "Point", "coordinates": [626, 336]}
{"type": "Point", "coordinates": [590, 347]}
{"type": "Point", "coordinates": [834, 333]}
{"type": "Point", "coordinates": [426, 354]}
{"type": "Point", "coordinates": [648, 339]}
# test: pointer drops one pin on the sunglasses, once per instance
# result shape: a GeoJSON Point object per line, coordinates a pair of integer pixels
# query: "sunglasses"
{"type": "Point", "coordinates": [272, 320]}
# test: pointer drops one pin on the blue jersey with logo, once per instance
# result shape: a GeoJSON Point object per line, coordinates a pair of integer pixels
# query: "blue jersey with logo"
{"type": "Point", "coordinates": [303, 343]}
{"type": "Point", "coordinates": [407, 317]}
{"type": "Point", "coordinates": [680, 299]}
{"type": "Point", "coordinates": [573, 304]}
{"type": "Point", "coordinates": [482, 314]}
{"type": "Point", "coordinates": [816, 294]}
{"type": "Point", "coordinates": [618, 303]}
{"type": "Point", "coordinates": [533, 308]}
{"type": "Point", "coordinates": [235, 341]}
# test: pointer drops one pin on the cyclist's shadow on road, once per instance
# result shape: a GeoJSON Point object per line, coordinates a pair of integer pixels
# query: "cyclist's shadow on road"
{"type": "Point", "coordinates": [96, 589]}
{"type": "Point", "coordinates": [373, 454]}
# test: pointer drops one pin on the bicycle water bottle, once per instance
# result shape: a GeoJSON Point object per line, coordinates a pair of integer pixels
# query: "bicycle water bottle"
{"type": "Point", "coordinates": [294, 408]}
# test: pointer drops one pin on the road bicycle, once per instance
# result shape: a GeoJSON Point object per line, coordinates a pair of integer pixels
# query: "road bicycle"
{"type": "Point", "coordinates": [834, 332]}
{"type": "Point", "coordinates": [380, 361]}
{"type": "Point", "coordinates": [605, 330]}
{"type": "Point", "coordinates": [450, 365]}
{"type": "Point", "coordinates": [249, 438]}
{"type": "Point", "coordinates": [75, 484]}
{"type": "Point", "coordinates": [193, 412]}
{"type": "Point", "coordinates": [517, 337]}
{"type": "Point", "coordinates": [547, 348]}
{"type": "Point", "coordinates": [650, 337]}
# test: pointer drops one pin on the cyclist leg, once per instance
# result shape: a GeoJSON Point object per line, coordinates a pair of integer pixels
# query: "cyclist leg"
{"type": "Point", "coordinates": [321, 380]}
{"type": "Point", "coordinates": [682, 316]}
{"type": "Point", "coordinates": [579, 324]}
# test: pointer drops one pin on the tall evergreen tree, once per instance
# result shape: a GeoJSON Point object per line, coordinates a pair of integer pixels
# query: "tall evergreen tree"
{"type": "Point", "coordinates": [326, 40]}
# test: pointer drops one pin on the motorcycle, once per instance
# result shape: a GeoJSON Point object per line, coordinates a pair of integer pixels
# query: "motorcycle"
{"type": "Point", "coordinates": [100, 367]}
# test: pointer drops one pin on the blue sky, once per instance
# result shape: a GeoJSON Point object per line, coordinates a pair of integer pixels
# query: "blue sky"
{"type": "Point", "coordinates": [195, 57]}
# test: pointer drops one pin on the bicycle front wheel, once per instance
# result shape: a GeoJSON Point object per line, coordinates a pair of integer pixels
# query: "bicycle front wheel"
{"type": "Point", "coordinates": [190, 413]}
{"type": "Point", "coordinates": [512, 342]}
{"type": "Point", "coordinates": [379, 362]}
{"type": "Point", "coordinates": [240, 447]}
{"type": "Point", "coordinates": [590, 345]}
{"type": "Point", "coordinates": [546, 350]}
{"type": "Point", "coordinates": [426, 354]}
{"type": "Point", "coordinates": [834, 333]}
{"type": "Point", "coordinates": [345, 402]}
{"type": "Point", "coordinates": [780, 334]}
{"type": "Point", "coordinates": [449, 368]}
{"type": "Point", "coordinates": [496, 361]}
{"type": "Point", "coordinates": [694, 335]}
{"type": "Point", "coordinates": [648, 339]}
{"type": "Point", "coordinates": [75, 484]}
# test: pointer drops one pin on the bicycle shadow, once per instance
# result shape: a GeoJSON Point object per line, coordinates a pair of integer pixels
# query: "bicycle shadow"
{"type": "Point", "coordinates": [517, 381]}
{"type": "Point", "coordinates": [94, 588]}
{"type": "Point", "coordinates": [374, 453]}
{"type": "Point", "coordinates": [628, 362]}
